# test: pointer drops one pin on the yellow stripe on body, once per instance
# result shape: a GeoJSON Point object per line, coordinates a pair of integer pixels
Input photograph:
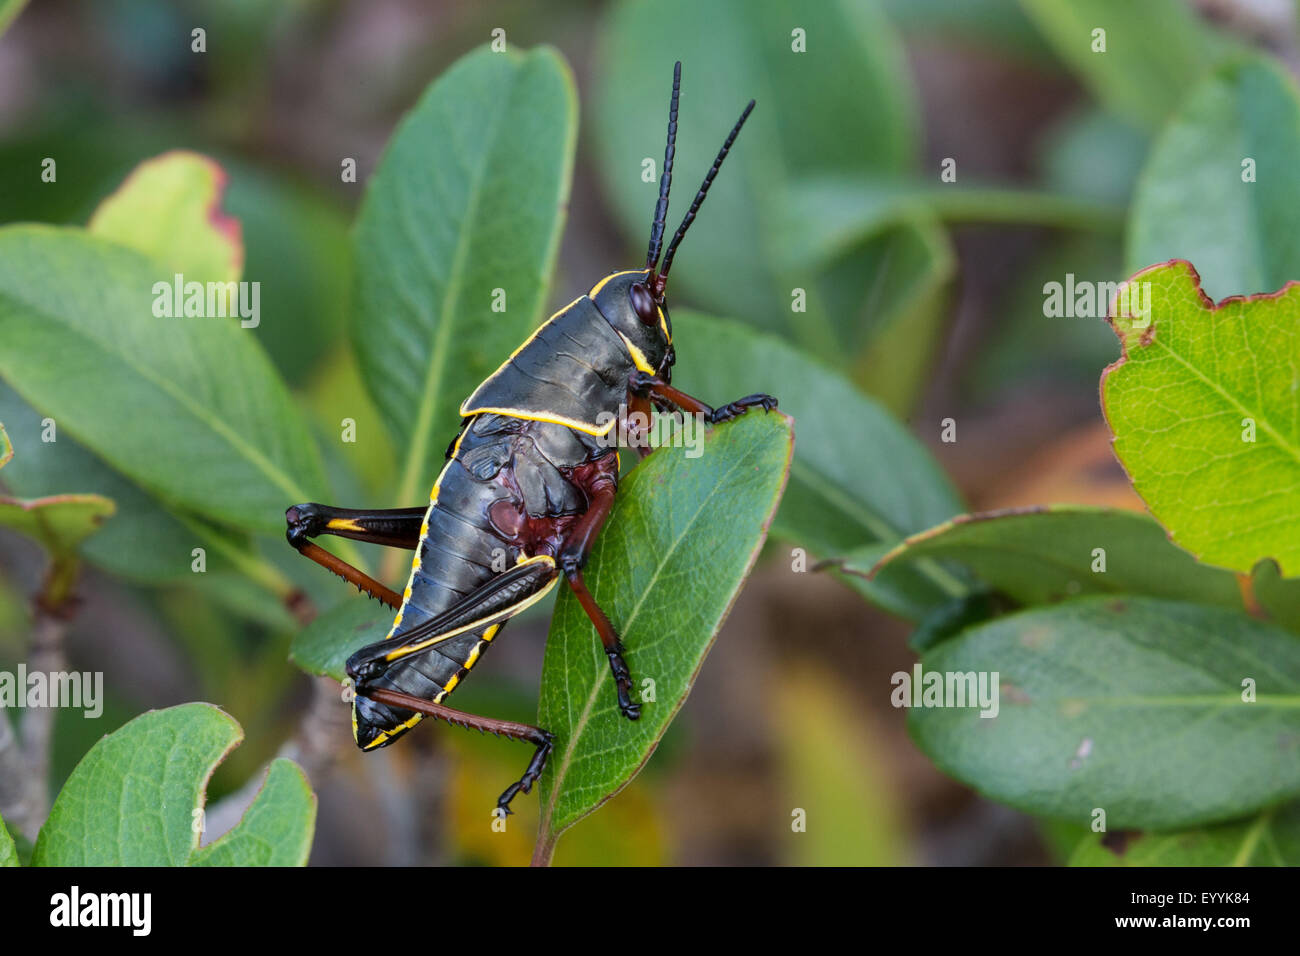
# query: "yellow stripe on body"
{"type": "Point", "coordinates": [613, 275]}
{"type": "Point", "coordinates": [456, 678]}
{"type": "Point", "coordinates": [638, 357]}
{"type": "Point", "coordinates": [407, 649]}
{"type": "Point", "coordinates": [424, 531]}
{"type": "Point", "coordinates": [465, 410]}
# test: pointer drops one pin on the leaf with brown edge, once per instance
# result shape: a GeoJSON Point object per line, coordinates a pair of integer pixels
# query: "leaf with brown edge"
{"type": "Point", "coordinates": [1042, 555]}
{"type": "Point", "coordinates": [169, 208]}
{"type": "Point", "coordinates": [1204, 404]}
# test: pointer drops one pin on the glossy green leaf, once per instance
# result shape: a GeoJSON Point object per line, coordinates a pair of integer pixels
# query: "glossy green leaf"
{"type": "Point", "coordinates": [1129, 704]}
{"type": "Point", "coordinates": [468, 199]}
{"type": "Point", "coordinates": [8, 853]}
{"type": "Point", "coordinates": [1193, 200]}
{"type": "Point", "coordinates": [276, 830]}
{"type": "Point", "coordinates": [668, 565]}
{"type": "Point", "coordinates": [1272, 838]}
{"type": "Point", "coordinates": [224, 439]}
{"type": "Point", "coordinates": [1203, 405]}
{"type": "Point", "coordinates": [136, 799]}
{"type": "Point", "coordinates": [1042, 555]}
{"type": "Point", "coordinates": [169, 209]}
{"type": "Point", "coordinates": [324, 646]}
{"type": "Point", "coordinates": [844, 107]}
{"type": "Point", "coordinates": [857, 477]}
{"type": "Point", "coordinates": [1154, 50]}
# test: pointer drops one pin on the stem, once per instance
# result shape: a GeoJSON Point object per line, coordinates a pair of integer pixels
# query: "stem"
{"type": "Point", "coordinates": [544, 850]}
{"type": "Point", "coordinates": [16, 807]}
{"type": "Point", "coordinates": [996, 204]}
{"type": "Point", "coordinates": [47, 656]}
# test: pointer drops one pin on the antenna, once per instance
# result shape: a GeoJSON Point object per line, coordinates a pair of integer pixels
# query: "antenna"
{"type": "Point", "coordinates": [660, 280]}
{"type": "Point", "coordinates": [666, 180]}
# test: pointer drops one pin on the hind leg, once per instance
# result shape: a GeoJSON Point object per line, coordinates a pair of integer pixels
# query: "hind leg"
{"type": "Point", "coordinates": [543, 740]}
{"type": "Point", "coordinates": [396, 528]}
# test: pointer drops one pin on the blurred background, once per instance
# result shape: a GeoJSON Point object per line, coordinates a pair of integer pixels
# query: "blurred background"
{"type": "Point", "coordinates": [927, 294]}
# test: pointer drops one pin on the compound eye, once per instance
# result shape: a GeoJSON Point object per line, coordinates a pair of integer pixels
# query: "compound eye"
{"type": "Point", "coordinates": [644, 304]}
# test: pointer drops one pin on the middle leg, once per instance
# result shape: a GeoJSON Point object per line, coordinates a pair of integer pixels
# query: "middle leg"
{"type": "Point", "coordinates": [573, 556]}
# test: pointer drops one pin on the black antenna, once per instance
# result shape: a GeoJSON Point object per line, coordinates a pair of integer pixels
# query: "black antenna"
{"type": "Point", "coordinates": [666, 180]}
{"type": "Point", "coordinates": [699, 198]}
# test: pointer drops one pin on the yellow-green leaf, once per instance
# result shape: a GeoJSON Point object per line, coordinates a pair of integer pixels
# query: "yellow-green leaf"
{"type": "Point", "coordinates": [1205, 407]}
{"type": "Point", "coordinates": [169, 208]}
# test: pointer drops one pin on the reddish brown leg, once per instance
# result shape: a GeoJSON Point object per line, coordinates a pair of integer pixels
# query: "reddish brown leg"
{"type": "Point", "coordinates": [577, 548]}
{"type": "Point", "coordinates": [543, 740]}
{"type": "Point", "coordinates": [640, 404]}
{"type": "Point", "coordinates": [364, 582]}
{"type": "Point", "coordinates": [659, 390]}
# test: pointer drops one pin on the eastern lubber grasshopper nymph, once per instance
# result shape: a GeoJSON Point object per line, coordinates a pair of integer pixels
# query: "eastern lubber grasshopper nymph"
{"type": "Point", "coordinates": [532, 473]}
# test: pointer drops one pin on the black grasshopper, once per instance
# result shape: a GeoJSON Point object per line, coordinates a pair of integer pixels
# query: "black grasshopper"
{"type": "Point", "coordinates": [532, 473]}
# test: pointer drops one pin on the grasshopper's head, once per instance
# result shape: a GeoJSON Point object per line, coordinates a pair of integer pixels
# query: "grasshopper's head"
{"type": "Point", "coordinates": [638, 296]}
{"type": "Point", "coordinates": [642, 322]}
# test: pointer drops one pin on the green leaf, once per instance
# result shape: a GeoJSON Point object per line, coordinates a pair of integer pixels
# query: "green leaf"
{"type": "Point", "coordinates": [892, 334]}
{"type": "Point", "coordinates": [681, 538]}
{"type": "Point", "coordinates": [1191, 201]}
{"type": "Point", "coordinates": [9, 9]}
{"type": "Point", "coordinates": [827, 214]}
{"type": "Point", "coordinates": [324, 646]}
{"type": "Point", "coordinates": [169, 209]}
{"type": "Point", "coordinates": [1129, 704]}
{"type": "Point", "coordinates": [1154, 50]}
{"type": "Point", "coordinates": [1093, 154]}
{"type": "Point", "coordinates": [134, 799]}
{"type": "Point", "coordinates": [129, 801]}
{"type": "Point", "coordinates": [224, 439]}
{"type": "Point", "coordinates": [469, 198]}
{"type": "Point", "coordinates": [995, 24]}
{"type": "Point", "coordinates": [1270, 839]}
{"type": "Point", "coordinates": [143, 543]}
{"type": "Point", "coordinates": [1203, 406]}
{"type": "Point", "coordinates": [8, 853]}
{"type": "Point", "coordinates": [845, 107]}
{"type": "Point", "coordinates": [298, 246]}
{"type": "Point", "coordinates": [58, 522]}
{"type": "Point", "coordinates": [276, 830]}
{"type": "Point", "coordinates": [1046, 554]}
{"type": "Point", "coordinates": [877, 484]}
{"type": "Point", "coordinates": [1029, 348]}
